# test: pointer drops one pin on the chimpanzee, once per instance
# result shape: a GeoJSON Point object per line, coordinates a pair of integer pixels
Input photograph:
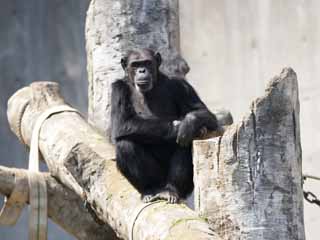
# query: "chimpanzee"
{"type": "Point", "coordinates": [154, 119]}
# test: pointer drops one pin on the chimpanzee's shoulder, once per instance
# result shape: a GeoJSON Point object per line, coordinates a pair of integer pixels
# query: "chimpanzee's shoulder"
{"type": "Point", "coordinates": [171, 80]}
{"type": "Point", "coordinates": [120, 83]}
{"type": "Point", "coordinates": [178, 83]}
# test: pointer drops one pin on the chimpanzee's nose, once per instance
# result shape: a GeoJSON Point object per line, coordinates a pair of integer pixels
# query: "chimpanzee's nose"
{"type": "Point", "coordinates": [142, 70]}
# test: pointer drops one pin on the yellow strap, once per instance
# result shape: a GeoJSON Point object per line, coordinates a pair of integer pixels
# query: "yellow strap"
{"type": "Point", "coordinates": [37, 185]}
{"type": "Point", "coordinates": [38, 199]}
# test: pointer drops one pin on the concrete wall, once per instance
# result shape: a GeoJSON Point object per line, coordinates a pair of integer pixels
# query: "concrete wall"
{"type": "Point", "coordinates": [39, 40]}
{"type": "Point", "coordinates": [235, 46]}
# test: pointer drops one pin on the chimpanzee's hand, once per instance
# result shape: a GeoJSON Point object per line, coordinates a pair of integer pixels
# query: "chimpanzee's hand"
{"type": "Point", "coordinates": [186, 132]}
{"type": "Point", "coordinates": [203, 132]}
{"type": "Point", "coordinates": [176, 123]}
{"type": "Point", "coordinates": [175, 128]}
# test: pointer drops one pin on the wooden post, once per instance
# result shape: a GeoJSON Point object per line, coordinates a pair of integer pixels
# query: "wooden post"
{"type": "Point", "coordinates": [248, 182]}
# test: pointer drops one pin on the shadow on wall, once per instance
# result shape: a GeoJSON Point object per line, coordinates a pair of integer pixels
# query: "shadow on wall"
{"type": "Point", "coordinates": [39, 40]}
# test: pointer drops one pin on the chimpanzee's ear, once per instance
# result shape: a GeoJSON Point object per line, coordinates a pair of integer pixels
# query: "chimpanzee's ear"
{"type": "Point", "coordinates": [158, 58]}
{"type": "Point", "coordinates": [124, 62]}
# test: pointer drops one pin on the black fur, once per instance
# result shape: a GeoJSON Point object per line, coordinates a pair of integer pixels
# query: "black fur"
{"type": "Point", "coordinates": [152, 152]}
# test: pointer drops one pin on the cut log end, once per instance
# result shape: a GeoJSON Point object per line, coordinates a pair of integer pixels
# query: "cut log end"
{"type": "Point", "coordinates": [248, 181]}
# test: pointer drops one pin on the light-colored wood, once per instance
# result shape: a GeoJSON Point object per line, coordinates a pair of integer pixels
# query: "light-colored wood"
{"type": "Point", "coordinates": [64, 207]}
{"type": "Point", "coordinates": [81, 158]}
{"type": "Point", "coordinates": [248, 182]}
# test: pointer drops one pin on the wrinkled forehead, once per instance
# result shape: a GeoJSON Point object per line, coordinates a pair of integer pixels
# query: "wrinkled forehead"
{"type": "Point", "coordinates": [141, 55]}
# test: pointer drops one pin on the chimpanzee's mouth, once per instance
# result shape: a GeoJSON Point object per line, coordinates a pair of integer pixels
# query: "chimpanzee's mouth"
{"type": "Point", "coordinates": [142, 82]}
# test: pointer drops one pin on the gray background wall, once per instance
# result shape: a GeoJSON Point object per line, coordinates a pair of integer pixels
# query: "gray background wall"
{"type": "Point", "coordinates": [39, 40]}
{"type": "Point", "coordinates": [233, 47]}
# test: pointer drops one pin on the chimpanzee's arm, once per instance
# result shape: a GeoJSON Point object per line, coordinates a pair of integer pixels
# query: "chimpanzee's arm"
{"type": "Point", "coordinates": [195, 112]}
{"type": "Point", "coordinates": [126, 124]}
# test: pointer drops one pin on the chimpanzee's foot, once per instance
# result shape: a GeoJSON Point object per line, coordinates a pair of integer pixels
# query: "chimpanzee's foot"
{"type": "Point", "coordinates": [168, 195]}
{"type": "Point", "coordinates": [146, 198]}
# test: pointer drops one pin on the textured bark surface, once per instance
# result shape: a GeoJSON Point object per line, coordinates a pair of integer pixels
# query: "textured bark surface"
{"type": "Point", "coordinates": [81, 158]}
{"type": "Point", "coordinates": [113, 27]}
{"type": "Point", "coordinates": [248, 182]}
{"type": "Point", "coordinates": [64, 207]}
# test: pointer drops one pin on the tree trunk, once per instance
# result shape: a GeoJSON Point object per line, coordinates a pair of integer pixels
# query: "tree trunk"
{"type": "Point", "coordinates": [113, 27]}
{"type": "Point", "coordinates": [82, 159]}
{"type": "Point", "coordinates": [248, 182]}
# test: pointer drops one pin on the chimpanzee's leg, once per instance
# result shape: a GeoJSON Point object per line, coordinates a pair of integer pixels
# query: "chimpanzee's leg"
{"type": "Point", "coordinates": [180, 177]}
{"type": "Point", "coordinates": [140, 168]}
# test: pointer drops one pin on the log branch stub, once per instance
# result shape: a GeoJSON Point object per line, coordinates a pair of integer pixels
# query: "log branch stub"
{"type": "Point", "coordinates": [42, 99]}
{"type": "Point", "coordinates": [248, 182]}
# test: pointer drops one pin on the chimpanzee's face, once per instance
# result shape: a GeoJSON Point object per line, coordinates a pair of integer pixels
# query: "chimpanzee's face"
{"type": "Point", "coordinates": [141, 67]}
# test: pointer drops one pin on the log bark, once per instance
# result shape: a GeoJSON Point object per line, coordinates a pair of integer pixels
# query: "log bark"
{"type": "Point", "coordinates": [248, 182]}
{"type": "Point", "coordinates": [113, 27]}
{"type": "Point", "coordinates": [64, 207]}
{"type": "Point", "coordinates": [82, 159]}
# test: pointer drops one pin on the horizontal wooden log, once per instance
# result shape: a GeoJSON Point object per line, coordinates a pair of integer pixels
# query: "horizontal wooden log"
{"type": "Point", "coordinates": [64, 207]}
{"type": "Point", "coordinates": [248, 182]}
{"type": "Point", "coordinates": [82, 159]}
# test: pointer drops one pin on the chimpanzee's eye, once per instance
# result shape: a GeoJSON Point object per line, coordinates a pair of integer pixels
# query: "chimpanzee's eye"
{"type": "Point", "coordinates": [135, 64]}
{"type": "Point", "coordinates": [147, 63]}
